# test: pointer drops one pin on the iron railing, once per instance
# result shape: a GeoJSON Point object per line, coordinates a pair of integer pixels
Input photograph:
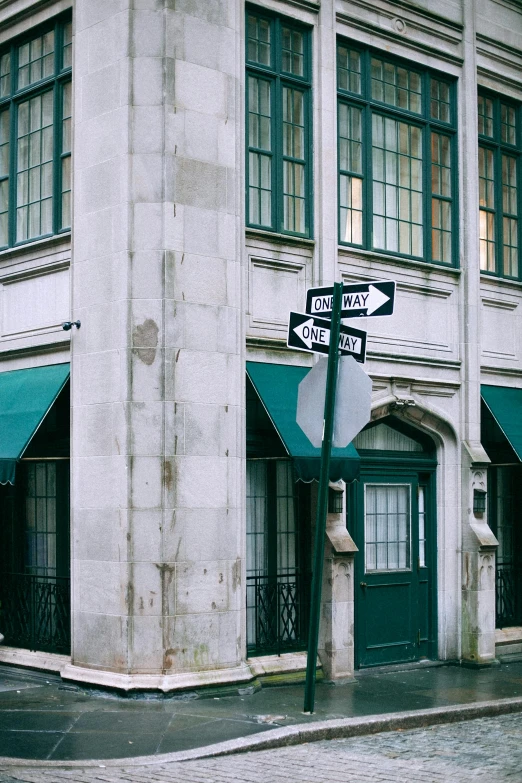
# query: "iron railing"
{"type": "Point", "coordinates": [507, 595]}
{"type": "Point", "coordinates": [277, 612]}
{"type": "Point", "coordinates": [35, 612]}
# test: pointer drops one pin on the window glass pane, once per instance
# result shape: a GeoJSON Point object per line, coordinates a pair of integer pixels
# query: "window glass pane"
{"type": "Point", "coordinates": [67, 45]}
{"type": "Point", "coordinates": [66, 157]}
{"type": "Point", "coordinates": [396, 85]}
{"type": "Point", "coordinates": [439, 100]}
{"type": "Point", "coordinates": [509, 224]}
{"type": "Point", "coordinates": [397, 186]}
{"type": "Point", "coordinates": [36, 59]}
{"type": "Point", "coordinates": [4, 143]}
{"type": "Point", "coordinates": [293, 170]}
{"type": "Point", "coordinates": [487, 241]}
{"type": "Point", "coordinates": [349, 69]}
{"type": "Point", "coordinates": [441, 189]}
{"type": "Point", "coordinates": [351, 209]}
{"type": "Point", "coordinates": [422, 526]}
{"type": "Point", "coordinates": [350, 138]}
{"type": "Point", "coordinates": [5, 75]}
{"type": "Point", "coordinates": [292, 51]}
{"type": "Point", "coordinates": [260, 165]}
{"type": "Point", "coordinates": [487, 205]}
{"type": "Point", "coordinates": [258, 40]}
{"type": "Point", "coordinates": [486, 178]}
{"type": "Point", "coordinates": [40, 518]}
{"type": "Point", "coordinates": [4, 206]}
{"type": "Point", "coordinates": [509, 184]}
{"type": "Point", "coordinates": [508, 130]}
{"type": "Point", "coordinates": [485, 116]}
{"type": "Point", "coordinates": [387, 527]}
{"type": "Point", "coordinates": [34, 167]}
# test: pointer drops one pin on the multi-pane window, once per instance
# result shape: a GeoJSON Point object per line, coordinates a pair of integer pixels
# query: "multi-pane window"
{"type": "Point", "coordinates": [35, 134]}
{"type": "Point", "coordinates": [278, 127]}
{"type": "Point", "coordinates": [387, 522]}
{"type": "Point", "coordinates": [499, 196]}
{"type": "Point", "coordinates": [396, 131]}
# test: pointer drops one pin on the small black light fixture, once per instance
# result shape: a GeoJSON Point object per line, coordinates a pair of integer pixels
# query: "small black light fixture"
{"type": "Point", "coordinates": [479, 501]}
{"type": "Point", "coordinates": [335, 499]}
{"type": "Point", "coordinates": [67, 325]}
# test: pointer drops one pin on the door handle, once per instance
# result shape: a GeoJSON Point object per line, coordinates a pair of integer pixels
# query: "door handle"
{"type": "Point", "coordinates": [363, 585]}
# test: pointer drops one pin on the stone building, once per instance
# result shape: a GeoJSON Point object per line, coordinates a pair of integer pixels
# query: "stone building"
{"type": "Point", "coordinates": [174, 175]}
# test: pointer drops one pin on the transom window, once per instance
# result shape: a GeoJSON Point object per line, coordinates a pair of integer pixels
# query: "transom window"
{"type": "Point", "coordinates": [278, 128]}
{"type": "Point", "coordinates": [35, 134]}
{"type": "Point", "coordinates": [499, 197]}
{"type": "Point", "coordinates": [396, 129]}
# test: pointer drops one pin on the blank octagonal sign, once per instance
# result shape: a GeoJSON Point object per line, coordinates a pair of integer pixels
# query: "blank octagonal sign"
{"type": "Point", "coordinates": [352, 404]}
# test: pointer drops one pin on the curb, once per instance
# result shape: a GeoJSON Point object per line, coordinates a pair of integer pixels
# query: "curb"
{"type": "Point", "coordinates": [341, 728]}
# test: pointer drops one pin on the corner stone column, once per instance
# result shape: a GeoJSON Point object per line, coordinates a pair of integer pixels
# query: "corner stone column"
{"type": "Point", "coordinates": [336, 630]}
{"type": "Point", "coordinates": [158, 366]}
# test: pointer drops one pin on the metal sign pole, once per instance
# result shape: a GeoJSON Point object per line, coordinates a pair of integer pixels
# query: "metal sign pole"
{"type": "Point", "coordinates": [322, 499]}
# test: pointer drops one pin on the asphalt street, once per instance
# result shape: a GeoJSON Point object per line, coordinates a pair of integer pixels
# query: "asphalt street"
{"type": "Point", "coordinates": [485, 749]}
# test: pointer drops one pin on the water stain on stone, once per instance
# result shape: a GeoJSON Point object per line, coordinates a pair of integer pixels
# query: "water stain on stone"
{"type": "Point", "coordinates": [145, 341]}
{"type": "Point", "coordinates": [236, 574]}
{"type": "Point", "coordinates": [167, 574]}
{"type": "Point", "coordinates": [168, 475]}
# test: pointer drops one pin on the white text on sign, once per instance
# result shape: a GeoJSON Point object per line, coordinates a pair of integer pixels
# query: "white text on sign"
{"type": "Point", "coordinates": [309, 334]}
{"type": "Point", "coordinates": [370, 301]}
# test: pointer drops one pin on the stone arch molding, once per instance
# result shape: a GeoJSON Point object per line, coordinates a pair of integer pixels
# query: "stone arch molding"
{"type": "Point", "coordinates": [421, 415]}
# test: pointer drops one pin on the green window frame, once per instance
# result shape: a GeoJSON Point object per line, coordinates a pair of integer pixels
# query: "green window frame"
{"type": "Point", "coordinates": [396, 156]}
{"type": "Point", "coordinates": [278, 127]}
{"type": "Point", "coordinates": [35, 134]}
{"type": "Point", "coordinates": [500, 204]}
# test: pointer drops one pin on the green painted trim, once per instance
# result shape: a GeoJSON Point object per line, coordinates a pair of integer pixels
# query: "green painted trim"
{"type": "Point", "coordinates": [423, 120]}
{"type": "Point", "coordinates": [499, 148]}
{"type": "Point", "coordinates": [422, 471]}
{"type": "Point", "coordinates": [280, 79]}
{"type": "Point", "coordinates": [13, 101]}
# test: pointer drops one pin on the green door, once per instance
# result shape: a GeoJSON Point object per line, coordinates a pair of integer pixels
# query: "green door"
{"type": "Point", "coordinates": [392, 588]}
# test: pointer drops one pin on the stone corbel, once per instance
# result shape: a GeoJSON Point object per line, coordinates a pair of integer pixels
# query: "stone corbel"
{"type": "Point", "coordinates": [402, 392]}
{"type": "Point", "coordinates": [338, 536]}
{"type": "Point", "coordinates": [485, 540]}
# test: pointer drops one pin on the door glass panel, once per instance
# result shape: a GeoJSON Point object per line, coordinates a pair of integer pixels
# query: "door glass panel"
{"type": "Point", "coordinates": [422, 526]}
{"type": "Point", "coordinates": [387, 526]}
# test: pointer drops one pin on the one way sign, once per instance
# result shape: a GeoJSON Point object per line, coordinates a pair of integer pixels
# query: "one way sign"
{"type": "Point", "coordinates": [359, 299]}
{"type": "Point", "coordinates": [307, 333]}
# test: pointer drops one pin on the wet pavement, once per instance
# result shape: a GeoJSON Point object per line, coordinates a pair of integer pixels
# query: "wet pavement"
{"type": "Point", "coordinates": [42, 717]}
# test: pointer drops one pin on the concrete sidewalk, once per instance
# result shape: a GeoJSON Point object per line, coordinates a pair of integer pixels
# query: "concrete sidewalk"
{"type": "Point", "coordinates": [42, 718]}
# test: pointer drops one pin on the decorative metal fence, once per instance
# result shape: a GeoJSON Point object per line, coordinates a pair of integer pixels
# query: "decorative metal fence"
{"type": "Point", "coordinates": [507, 595]}
{"type": "Point", "coordinates": [277, 612]}
{"type": "Point", "coordinates": [35, 612]}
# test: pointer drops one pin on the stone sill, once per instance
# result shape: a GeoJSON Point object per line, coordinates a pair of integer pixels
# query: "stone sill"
{"type": "Point", "coordinates": [49, 662]}
{"type": "Point", "coordinates": [511, 635]}
{"type": "Point", "coordinates": [38, 247]}
{"type": "Point", "coordinates": [276, 664]}
{"type": "Point", "coordinates": [164, 683]}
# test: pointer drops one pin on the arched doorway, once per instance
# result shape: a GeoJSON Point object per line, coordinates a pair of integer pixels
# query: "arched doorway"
{"type": "Point", "coordinates": [392, 518]}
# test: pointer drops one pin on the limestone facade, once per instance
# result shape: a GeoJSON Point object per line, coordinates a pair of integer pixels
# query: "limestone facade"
{"type": "Point", "coordinates": [175, 293]}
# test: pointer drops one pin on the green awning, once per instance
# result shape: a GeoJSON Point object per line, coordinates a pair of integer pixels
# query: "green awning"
{"type": "Point", "coordinates": [25, 398]}
{"type": "Point", "coordinates": [505, 405]}
{"type": "Point", "coordinates": [276, 386]}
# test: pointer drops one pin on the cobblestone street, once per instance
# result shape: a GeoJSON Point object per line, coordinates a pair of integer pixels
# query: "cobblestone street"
{"type": "Point", "coordinates": [487, 749]}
